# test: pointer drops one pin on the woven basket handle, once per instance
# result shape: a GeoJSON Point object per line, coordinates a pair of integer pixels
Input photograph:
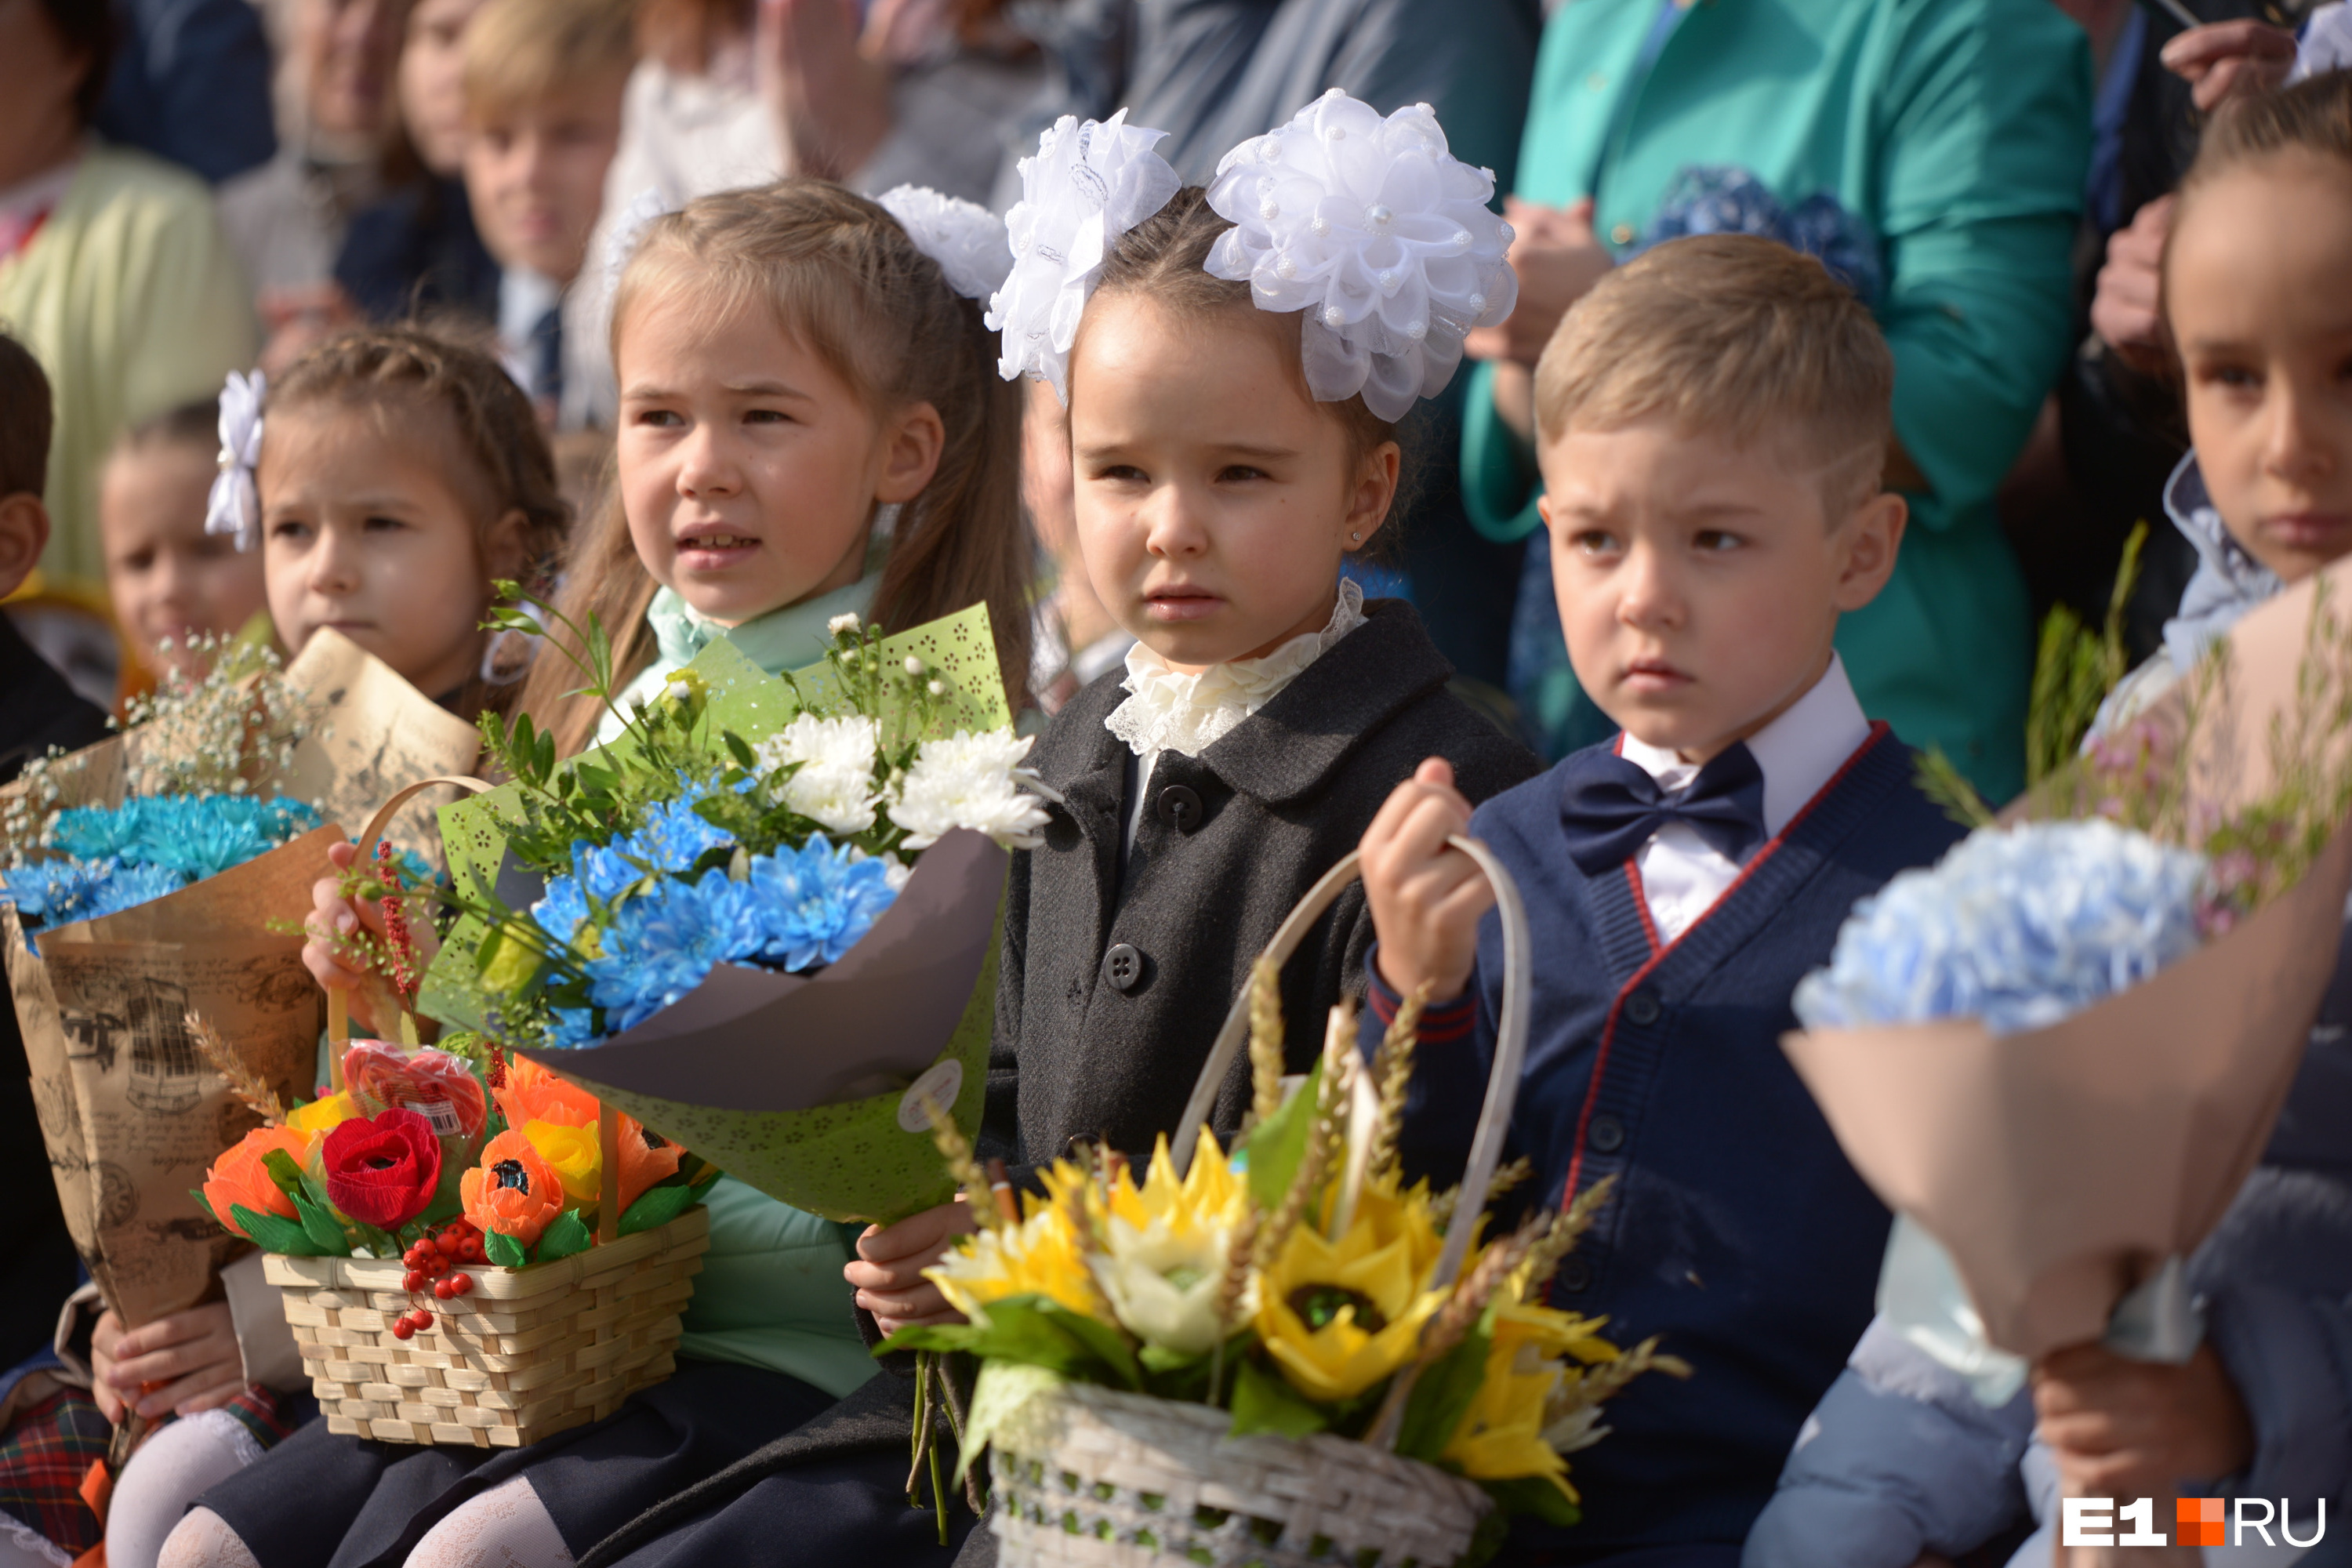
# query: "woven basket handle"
{"type": "Point", "coordinates": [1510, 1050]}
{"type": "Point", "coordinates": [339, 1017]}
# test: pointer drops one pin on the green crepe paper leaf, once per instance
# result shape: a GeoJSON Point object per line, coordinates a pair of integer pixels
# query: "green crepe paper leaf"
{"type": "Point", "coordinates": [504, 1250]}
{"type": "Point", "coordinates": [205, 1204]}
{"type": "Point", "coordinates": [379, 1243]}
{"type": "Point", "coordinates": [1263, 1402]}
{"type": "Point", "coordinates": [561, 1240]}
{"type": "Point", "coordinates": [283, 1171]}
{"type": "Point", "coordinates": [319, 1223]}
{"type": "Point", "coordinates": [1183, 1376]}
{"type": "Point", "coordinates": [1277, 1144]}
{"type": "Point", "coordinates": [929, 1337]}
{"type": "Point", "coordinates": [1001, 1389]}
{"type": "Point", "coordinates": [1108, 1345]}
{"type": "Point", "coordinates": [1535, 1494]}
{"type": "Point", "coordinates": [654, 1208]}
{"type": "Point", "coordinates": [1443, 1394]}
{"type": "Point", "coordinates": [273, 1233]}
{"type": "Point", "coordinates": [1033, 1329]}
{"type": "Point", "coordinates": [702, 1185]}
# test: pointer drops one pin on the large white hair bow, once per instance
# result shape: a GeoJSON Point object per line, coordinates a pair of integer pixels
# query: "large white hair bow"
{"type": "Point", "coordinates": [1379, 233]}
{"type": "Point", "coordinates": [1089, 183]}
{"type": "Point", "coordinates": [966, 239]}
{"type": "Point", "coordinates": [645, 209]}
{"type": "Point", "coordinates": [234, 506]}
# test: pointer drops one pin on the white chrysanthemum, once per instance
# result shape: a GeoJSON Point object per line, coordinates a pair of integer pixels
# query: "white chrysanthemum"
{"type": "Point", "coordinates": [1162, 1281]}
{"type": "Point", "coordinates": [1376, 232]}
{"type": "Point", "coordinates": [966, 239]}
{"type": "Point", "coordinates": [843, 623]}
{"type": "Point", "coordinates": [970, 780]}
{"type": "Point", "coordinates": [834, 785]}
{"type": "Point", "coordinates": [896, 873]}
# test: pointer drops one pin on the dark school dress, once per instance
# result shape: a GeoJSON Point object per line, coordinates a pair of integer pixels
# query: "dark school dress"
{"type": "Point", "coordinates": [1116, 973]}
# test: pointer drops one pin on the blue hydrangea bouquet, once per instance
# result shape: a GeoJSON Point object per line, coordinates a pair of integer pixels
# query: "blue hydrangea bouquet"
{"type": "Point", "coordinates": [2058, 1053]}
{"type": "Point", "coordinates": [763, 918]}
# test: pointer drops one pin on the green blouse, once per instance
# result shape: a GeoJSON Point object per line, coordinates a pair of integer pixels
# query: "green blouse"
{"type": "Point", "coordinates": [1958, 133]}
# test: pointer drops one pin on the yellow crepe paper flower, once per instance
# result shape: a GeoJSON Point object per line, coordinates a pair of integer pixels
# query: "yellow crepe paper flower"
{"type": "Point", "coordinates": [575, 1156]}
{"type": "Point", "coordinates": [1391, 1212]}
{"type": "Point", "coordinates": [1040, 1255]}
{"type": "Point", "coordinates": [1502, 1434]}
{"type": "Point", "coordinates": [1166, 1247]}
{"type": "Point", "coordinates": [1338, 1318]}
{"type": "Point", "coordinates": [323, 1115]}
{"type": "Point", "coordinates": [1209, 1196]}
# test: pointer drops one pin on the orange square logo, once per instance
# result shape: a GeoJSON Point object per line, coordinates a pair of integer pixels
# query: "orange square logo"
{"type": "Point", "coordinates": [2200, 1520]}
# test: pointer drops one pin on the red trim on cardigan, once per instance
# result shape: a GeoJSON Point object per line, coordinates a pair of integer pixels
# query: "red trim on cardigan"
{"type": "Point", "coordinates": [1879, 733]}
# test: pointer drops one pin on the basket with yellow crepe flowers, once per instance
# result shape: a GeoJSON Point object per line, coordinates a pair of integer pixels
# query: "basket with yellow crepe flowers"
{"type": "Point", "coordinates": [1275, 1357]}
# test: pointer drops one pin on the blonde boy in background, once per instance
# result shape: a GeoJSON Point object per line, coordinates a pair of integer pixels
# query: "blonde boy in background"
{"type": "Point", "coordinates": [543, 84]}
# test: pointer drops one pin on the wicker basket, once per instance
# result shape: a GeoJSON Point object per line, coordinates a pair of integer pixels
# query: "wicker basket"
{"type": "Point", "coordinates": [1091, 1475]}
{"type": "Point", "coordinates": [1086, 1475]}
{"type": "Point", "coordinates": [527, 1351]}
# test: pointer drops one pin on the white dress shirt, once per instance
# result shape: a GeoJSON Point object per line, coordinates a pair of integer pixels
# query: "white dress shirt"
{"type": "Point", "coordinates": [1682, 874]}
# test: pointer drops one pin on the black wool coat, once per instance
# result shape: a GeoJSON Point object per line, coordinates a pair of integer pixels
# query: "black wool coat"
{"type": "Point", "coordinates": [1116, 977]}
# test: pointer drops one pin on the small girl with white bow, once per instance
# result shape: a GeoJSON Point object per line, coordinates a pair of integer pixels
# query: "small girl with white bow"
{"type": "Point", "coordinates": [809, 428]}
{"type": "Point", "coordinates": [1235, 362]}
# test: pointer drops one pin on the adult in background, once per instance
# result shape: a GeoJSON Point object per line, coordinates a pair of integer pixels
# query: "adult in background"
{"type": "Point", "coordinates": [339, 149]}
{"type": "Point", "coordinates": [1931, 152]}
{"type": "Point", "coordinates": [191, 83]}
{"type": "Point", "coordinates": [113, 270]}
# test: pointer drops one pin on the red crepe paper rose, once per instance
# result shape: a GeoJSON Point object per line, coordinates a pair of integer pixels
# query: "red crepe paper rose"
{"type": "Point", "coordinates": [514, 1191]}
{"type": "Point", "coordinates": [237, 1176]}
{"type": "Point", "coordinates": [383, 1170]}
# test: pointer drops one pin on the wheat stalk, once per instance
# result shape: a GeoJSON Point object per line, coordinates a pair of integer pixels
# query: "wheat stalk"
{"type": "Point", "coordinates": [1560, 1238]}
{"type": "Point", "coordinates": [1392, 1075]}
{"type": "Point", "coordinates": [1265, 1040]}
{"type": "Point", "coordinates": [257, 1096]}
{"type": "Point", "coordinates": [956, 1150]}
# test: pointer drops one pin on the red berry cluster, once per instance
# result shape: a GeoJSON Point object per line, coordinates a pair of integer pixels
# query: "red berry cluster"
{"type": "Point", "coordinates": [395, 920]}
{"type": "Point", "coordinates": [434, 1262]}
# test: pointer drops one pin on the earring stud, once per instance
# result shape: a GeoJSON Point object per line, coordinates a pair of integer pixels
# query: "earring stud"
{"type": "Point", "coordinates": [1357, 537]}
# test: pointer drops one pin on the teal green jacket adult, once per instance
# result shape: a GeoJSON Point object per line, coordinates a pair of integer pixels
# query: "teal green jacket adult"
{"type": "Point", "coordinates": [1957, 132]}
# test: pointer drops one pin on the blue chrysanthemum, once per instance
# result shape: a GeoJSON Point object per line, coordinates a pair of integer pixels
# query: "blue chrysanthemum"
{"type": "Point", "coordinates": [818, 902]}
{"type": "Point", "coordinates": [196, 835]}
{"type": "Point", "coordinates": [2021, 927]}
{"type": "Point", "coordinates": [58, 892]}
{"type": "Point", "coordinates": [664, 942]}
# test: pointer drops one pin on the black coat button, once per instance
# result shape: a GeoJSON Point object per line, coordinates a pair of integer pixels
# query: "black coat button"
{"type": "Point", "coordinates": [1123, 967]}
{"type": "Point", "coordinates": [1179, 808]}
{"type": "Point", "coordinates": [1608, 1135]}
{"type": "Point", "coordinates": [1642, 1008]}
{"type": "Point", "coordinates": [1574, 1274]}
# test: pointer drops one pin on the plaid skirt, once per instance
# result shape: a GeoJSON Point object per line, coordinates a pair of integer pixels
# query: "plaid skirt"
{"type": "Point", "coordinates": [48, 1450]}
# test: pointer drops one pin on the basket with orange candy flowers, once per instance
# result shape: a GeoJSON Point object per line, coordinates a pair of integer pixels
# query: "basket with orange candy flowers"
{"type": "Point", "coordinates": [471, 1250]}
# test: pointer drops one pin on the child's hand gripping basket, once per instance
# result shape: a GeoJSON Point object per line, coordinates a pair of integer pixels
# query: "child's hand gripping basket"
{"type": "Point", "coordinates": [1094, 1475]}
{"type": "Point", "coordinates": [525, 1351]}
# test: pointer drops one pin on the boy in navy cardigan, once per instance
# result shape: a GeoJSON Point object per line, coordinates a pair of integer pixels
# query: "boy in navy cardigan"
{"type": "Point", "coordinates": [1713, 421]}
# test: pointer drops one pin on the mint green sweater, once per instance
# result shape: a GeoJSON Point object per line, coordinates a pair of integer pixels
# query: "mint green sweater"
{"type": "Point", "coordinates": [1959, 131]}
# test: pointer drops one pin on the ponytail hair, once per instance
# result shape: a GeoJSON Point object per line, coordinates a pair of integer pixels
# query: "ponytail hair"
{"type": "Point", "coordinates": [842, 276]}
{"type": "Point", "coordinates": [506, 463]}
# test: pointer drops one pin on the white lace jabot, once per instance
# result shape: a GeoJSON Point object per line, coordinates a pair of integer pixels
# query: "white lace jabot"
{"type": "Point", "coordinates": [1170, 710]}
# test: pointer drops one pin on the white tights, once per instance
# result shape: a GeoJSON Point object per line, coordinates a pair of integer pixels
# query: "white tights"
{"type": "Point", "coordinates": [505, 1527]}
{"type": "Point", "coordinates": [176, 1465]}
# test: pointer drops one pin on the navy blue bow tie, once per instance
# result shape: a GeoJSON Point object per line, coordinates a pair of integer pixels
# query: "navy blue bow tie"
{"type": "Point", "coordinates": [1612, 807]}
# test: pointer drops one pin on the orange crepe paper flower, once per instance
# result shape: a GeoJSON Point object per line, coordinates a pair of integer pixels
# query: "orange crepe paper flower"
{"type": "Point", "coordinates": [532, 1093]}
{"type": "Point", "coordinates": [514, 1191]}
{"type": "Point", "coordinates": [645, 1158]}
{"type": "Point", "coordinates": [238, 1177]}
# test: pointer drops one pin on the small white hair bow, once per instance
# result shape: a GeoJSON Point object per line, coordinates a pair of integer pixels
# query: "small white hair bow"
{"type": "Point", "coordinates": [966, 239]}
{"type": "Point", "coordinates": [1378, 232]}
{"type": "Point", "coordinates": [628, 229]}
{"type": "Point", "coordinates": [234, 506]}
{"type": "Point", "coordinates": [1089, 183]}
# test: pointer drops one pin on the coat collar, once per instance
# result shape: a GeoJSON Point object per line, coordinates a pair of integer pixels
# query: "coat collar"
{"type": "Point", "coordinates": [1285, 749]}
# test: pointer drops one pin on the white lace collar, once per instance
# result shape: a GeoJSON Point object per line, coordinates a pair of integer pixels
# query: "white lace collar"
{"type": "Point", "coordinates": [1170, 710]}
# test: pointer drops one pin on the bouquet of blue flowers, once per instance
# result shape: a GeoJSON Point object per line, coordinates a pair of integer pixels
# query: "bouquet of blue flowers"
{"type": "Point", "coordinates": [2057, 1053]}
{"type": "Point", "coordinates": [763, 918]}
{"type": "Point", "coordinates": [159, 876]}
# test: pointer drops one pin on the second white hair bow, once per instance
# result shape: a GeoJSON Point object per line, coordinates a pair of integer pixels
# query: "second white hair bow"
{"type": "Point", "coordinates": [1376, 231]}
{"type": "Point", "coordinates": [234, 505]}
{"type": "Point", "coordinates": [1089, 183]}
{"type": "Point", "coordinates": [966, 239]}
